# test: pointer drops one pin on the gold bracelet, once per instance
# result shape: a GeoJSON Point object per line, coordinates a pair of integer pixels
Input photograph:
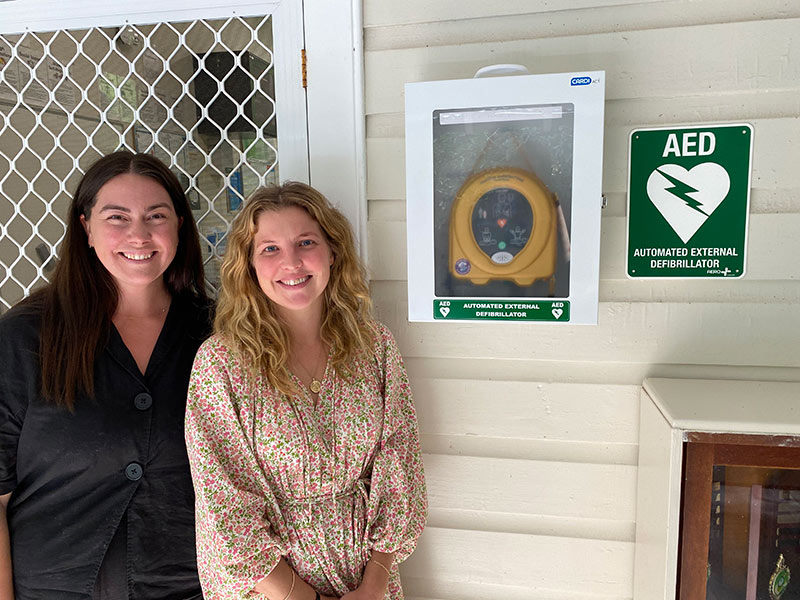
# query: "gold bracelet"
{"type": "Point", "coordinates": [380, 564]}
{"type": "Point", "coordinates": [291, 589]}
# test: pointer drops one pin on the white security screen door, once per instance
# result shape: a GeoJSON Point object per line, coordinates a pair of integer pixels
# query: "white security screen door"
{"type": "Point", "coordinates": [199, 87]}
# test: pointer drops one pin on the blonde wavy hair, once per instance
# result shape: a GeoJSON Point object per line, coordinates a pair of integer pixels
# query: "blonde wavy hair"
{"type": "Point", "coordinates": [246, 319]}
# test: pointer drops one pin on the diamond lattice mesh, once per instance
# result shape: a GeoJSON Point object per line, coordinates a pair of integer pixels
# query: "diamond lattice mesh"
{"type": "Point", "coordinates": [199, 95]}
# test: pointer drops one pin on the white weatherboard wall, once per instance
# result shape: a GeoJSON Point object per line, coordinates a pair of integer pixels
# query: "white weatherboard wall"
{"type": "Point", "coordinates": [530, 431]}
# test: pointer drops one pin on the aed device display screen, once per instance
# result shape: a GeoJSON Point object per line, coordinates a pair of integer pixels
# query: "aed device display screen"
{"type": "Point", "coordinates": [502, 222]}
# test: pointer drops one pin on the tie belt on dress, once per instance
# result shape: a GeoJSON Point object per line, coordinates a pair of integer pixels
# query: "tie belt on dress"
{"type": "Point", "coordinates": [359, 487]}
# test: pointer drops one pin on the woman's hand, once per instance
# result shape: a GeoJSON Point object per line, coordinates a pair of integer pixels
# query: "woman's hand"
{"type": "Point", "coordinates": [6, 579]}
{"type": "Point", "coordinates": [284, 582]}
{"type": "Point", "coordinates": [376, 578]}
{"type": "Point", "coordinates": [361, 593]}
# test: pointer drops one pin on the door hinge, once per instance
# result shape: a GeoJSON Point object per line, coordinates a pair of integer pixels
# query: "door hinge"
{"type": "Point", "coordinates": [303, 66]}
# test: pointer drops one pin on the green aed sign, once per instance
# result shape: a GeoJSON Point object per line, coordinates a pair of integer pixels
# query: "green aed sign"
{"type": "Point", "coordinates": [688, 201]}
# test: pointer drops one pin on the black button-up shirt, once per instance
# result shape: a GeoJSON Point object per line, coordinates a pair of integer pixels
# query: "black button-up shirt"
{"type": "Point", "coordinates": [116, 462]}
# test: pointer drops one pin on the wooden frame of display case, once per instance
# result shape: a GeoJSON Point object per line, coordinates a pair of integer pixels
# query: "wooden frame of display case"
{"type": "Point", "coordinates": [673, 411]}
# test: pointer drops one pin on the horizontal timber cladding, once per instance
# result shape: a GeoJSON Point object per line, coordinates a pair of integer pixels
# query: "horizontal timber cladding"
{"type": "Point", "coordinates": [757, 334]}
{"type": "Point", "coordinates": [503, 486]}
{"type": "Point", "coordinates": [507, 26]}
{"type": "Point", "coordinates": [530, 432]}
{"type": "Point", "coordinates": [775, 181]}
{"type": "Point", "coordinates": [535, 565]}
{"type": "Point", "coordinates": [378, 13]}
{"type": "Point", "coordinates": [527, 410]}
{"type": "Point", "coordinates": [654, 63]}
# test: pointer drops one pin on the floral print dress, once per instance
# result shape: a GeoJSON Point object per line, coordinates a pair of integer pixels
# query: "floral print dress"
{"type": "Point", "coordinates": [320, 485]}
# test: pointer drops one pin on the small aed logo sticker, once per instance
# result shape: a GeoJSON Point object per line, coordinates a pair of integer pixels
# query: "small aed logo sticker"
{"type": "Point", "coordinates": [580, 81]}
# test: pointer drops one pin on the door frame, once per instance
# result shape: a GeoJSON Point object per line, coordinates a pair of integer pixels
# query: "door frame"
{"type": "Point", "coordinates": [336, 113]}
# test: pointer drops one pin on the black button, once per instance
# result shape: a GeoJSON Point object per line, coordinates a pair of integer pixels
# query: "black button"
{"type": "Point", "coordinates": [143, 401]}
{"type": "Point", "coordinates": [134, 471]}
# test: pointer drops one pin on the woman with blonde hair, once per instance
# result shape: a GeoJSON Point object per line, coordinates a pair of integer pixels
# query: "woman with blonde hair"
{"type": "Point", "coordinates": [300, 426]}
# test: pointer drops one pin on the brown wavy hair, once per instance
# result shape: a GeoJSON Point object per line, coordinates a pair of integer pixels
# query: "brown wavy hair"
{"type": "Point", "coordinates": [246, 319]}
{"type": "Point", "coordinates": [77, 306]}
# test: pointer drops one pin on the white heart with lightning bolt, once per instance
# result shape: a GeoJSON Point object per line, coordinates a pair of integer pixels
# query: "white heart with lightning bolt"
{"type": "Point", "coordinates": [687, 198]}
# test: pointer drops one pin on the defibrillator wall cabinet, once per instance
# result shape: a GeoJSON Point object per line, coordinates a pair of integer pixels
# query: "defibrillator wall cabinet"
{"type": "Point", "coordinates": [503, 180]}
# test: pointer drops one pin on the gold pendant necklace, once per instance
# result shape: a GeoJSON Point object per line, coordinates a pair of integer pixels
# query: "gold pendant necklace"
{"type": "Point", "coordinates": [316, 385]}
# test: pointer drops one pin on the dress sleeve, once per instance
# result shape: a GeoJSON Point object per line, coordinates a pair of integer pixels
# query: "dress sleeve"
{"type": "Point", "coordinates": [19, 382]}
{"type": "Point", "coordinates": [236, 547]}
{"type": "Point", "coordinates": [397, 498]}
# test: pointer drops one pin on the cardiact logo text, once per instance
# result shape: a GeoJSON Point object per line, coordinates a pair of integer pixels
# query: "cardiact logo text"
{"type": "Point", "coordinates": [580, 81]}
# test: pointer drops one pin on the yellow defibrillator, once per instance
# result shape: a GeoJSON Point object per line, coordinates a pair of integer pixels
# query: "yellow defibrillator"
{"type": "Point", "coordinates": [503, 226]}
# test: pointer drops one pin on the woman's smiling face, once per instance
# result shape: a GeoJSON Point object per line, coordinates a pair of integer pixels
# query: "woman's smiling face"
{"type": "Point", "coordinates": [133, 229]}
{"type": "Point", "coordinates": [292, 260]}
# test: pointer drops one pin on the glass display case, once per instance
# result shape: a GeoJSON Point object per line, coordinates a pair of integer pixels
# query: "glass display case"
{"type": "Point", "coordinates": [740, 518]}
{"type": "Point", "coordinates": [718, 491]}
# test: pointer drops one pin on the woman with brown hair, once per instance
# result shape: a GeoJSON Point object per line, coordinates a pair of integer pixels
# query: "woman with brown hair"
{"type": "Point", "coordinates": [96, 495]}
{"type": "Point", "coordinates": [300, 426]}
